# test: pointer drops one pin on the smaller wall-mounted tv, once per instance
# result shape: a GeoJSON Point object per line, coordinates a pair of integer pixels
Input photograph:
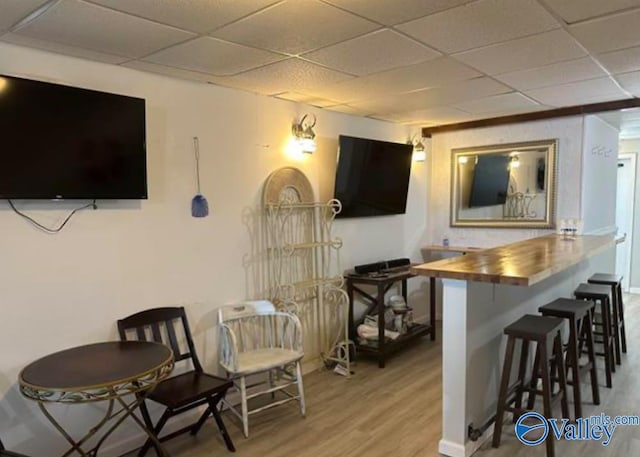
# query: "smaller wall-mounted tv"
{"type": "Point", "coordinates": [62, 142]}
{"type": "Point", "coordinates": [490, 181]}
{"type": "Point", "coordinates": [372, 177]}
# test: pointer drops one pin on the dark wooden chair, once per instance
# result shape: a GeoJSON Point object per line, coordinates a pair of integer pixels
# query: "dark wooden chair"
{"type": "Point", "coordinates": [182, 392]}
{"type": "Point", "coordinates": [5, 453]}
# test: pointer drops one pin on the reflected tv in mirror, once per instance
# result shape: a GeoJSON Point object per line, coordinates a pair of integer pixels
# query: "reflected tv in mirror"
{"type": "Point", "coordinates": [372, 177]}
{"type": "Point", "coordinates": [490, 181]}
{"type": "Point", "coordinates": [61, 142]}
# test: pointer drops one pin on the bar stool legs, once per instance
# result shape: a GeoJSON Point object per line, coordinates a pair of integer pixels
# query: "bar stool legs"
{"type": "Point", "coordinates": [546, 332]}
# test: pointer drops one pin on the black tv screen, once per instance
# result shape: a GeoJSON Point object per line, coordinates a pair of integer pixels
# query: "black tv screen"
{"type": "Point", "coordinates": [372, 177]}
{"type": "Point", "coordinates": [490, 181]}
{"type": "Point", "coordinates": [61, 142]}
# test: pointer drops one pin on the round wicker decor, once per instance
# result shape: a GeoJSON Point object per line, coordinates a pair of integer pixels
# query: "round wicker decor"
{"type": "Point", "coordinates": [287, 185]}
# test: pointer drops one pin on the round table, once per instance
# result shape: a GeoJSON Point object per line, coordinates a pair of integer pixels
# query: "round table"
{"type": "Point", "coordinates": [98, 372]}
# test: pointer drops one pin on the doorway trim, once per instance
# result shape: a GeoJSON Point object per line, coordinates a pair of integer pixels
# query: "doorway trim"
{"type": "Point", "coordinates": [632, 156]}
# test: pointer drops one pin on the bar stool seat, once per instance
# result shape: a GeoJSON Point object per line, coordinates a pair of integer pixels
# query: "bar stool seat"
{"type": "Point", "coordinates": [619, 332]}
{"type": "Point", "coordinates": [600, 295]}
{"type": "Point", "coordinates": [578, 313]}
{"type": "Point", "coordinates": [546, 332]}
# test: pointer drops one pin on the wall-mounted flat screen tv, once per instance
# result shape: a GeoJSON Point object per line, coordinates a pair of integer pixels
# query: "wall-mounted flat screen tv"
{"type": "Point", "coordinates": [372, 177]}
{"type": "Point", "coordinates": [490, 181]}
{"type": "Point", "coordinates": [61, 142]}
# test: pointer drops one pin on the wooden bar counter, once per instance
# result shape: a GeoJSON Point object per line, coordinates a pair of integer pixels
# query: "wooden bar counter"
{"type": "Point", "coordinates": [482, 293]}
{"type": "Point", "coordinates": [520, 264]}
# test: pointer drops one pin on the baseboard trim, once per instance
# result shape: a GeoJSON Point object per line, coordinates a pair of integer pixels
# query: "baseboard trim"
{"type": "Point", "coordinates": [634, 290]}
{"type": "Point", "coordinates": [452, 449]}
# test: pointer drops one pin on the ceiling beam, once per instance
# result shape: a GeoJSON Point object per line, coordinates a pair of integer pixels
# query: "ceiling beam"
{"type": "Point", "coordinates": [535, 116]}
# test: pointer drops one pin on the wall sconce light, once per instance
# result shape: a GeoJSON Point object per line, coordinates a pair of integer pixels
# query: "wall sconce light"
{"type": "Point", "coordinates": [463, 159]}
{"type": "Point", "coordinates": [515, 162]}
{"type": "Point", "coordinates": [419, 150]}
{"type": "Point", "coordinates": [304, 134]}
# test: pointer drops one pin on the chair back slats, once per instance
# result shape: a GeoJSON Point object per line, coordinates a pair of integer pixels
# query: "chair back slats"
{"type": "Point", "coordinates": [160, 325]}
{"type": "Point", "coordinates": [141, 334]}
{"type": "Point", "coordinates": [155, 332]}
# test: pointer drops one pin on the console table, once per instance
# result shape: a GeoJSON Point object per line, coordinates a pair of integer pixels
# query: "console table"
{"type": "Point", "coordinates": [98, 372]}
{"type": "Point", "coordinates": [383, 281]}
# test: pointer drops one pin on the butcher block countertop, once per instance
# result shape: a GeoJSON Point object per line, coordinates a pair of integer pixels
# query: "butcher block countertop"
{"type": "Point", "coordinates": [521, 264]}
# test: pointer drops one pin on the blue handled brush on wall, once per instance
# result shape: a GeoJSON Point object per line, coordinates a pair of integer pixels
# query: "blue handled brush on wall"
{"type": "Point", "coordinates": [199, 205]}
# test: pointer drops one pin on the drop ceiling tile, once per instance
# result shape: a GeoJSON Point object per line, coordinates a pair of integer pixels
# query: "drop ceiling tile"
{"type": "Point", "coordinates": [295, 27]}
{"type": "Point", "coordinates": [433, 73]}
{"type": "Point", "coordinates": [195, 15]}
{"type": "Point", "coordinates": [80, 24]}
{"type": "Point", "coordinates": [13, 11]}
{"type": "Point", "coordinates": [377, 51]}
{"type": "Point", "coordinates": [51, 46]}
{"type": "Point", "coordinates": [523, 53]}
{"type": "Point", "coordinates": [480, 23]}
{"type": "Point", "coordinates": [618, 31]}
{"type": "Point", "coordinates": [578, 93]}
{"type": "Point", "coordinates": [213, 56]}
{"type": "Point", "coordinates": [347, 110]}
{"type": "Point", "coordinates": [436, 97]}
{"type": "Point", "coordinates": [578, 10]}
{"type": "Point", "coordinates": [630, 81]}
{"type": "Point", "coordinates": [289, 75]}
{"type": "Point", "coordinates": [621, 61]}
{"type": "Point", "coordinates": [396, 11]}
{"type": "Point", "coordinates": [498, 103]}
{"type": "Point", "coordinates": [554, 74]}
{"type": "Point", "coordinates": [306, 99]}
{"type": "Point", "coordinates": [173, 72]}
{"type": "Point", "coordinates": [441, 115]}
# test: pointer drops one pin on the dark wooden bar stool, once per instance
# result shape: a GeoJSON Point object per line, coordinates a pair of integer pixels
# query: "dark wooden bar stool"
{"type": "Point", "coordinates": [615, 282]}
{"type": "Point", "coordinates": [578, 313]}
{"type": "Point", "coordinates": [546, 332]}
{"type": "Point", "coordinates": [600, 295]}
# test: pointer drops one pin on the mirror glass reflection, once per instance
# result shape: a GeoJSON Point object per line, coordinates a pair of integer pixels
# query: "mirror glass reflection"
{"type": "Point", "coordinates": [507, 185]}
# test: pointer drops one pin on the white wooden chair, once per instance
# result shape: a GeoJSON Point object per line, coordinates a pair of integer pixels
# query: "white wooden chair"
{"type": "Point", "coordinates": [254, 339]}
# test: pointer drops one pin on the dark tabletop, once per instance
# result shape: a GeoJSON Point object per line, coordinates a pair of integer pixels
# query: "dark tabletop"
{"type": "Point", "coordinates": [95, 365]}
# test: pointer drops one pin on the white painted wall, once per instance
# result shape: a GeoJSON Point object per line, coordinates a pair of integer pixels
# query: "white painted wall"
{"type": "Point", "coordinates": [599, 170]}
{"type": "Point", "coordinates": [69, 289]}
{"type": "Point", "coordinates": [568, 131]}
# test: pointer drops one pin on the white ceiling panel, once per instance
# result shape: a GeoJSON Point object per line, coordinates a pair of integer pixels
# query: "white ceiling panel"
{"type": "Point", "coordinates": [480, 23]}
{"type": "Point", "coordinates": [173, 72]}
{"type": "Point", "coordinates": [195, 15]}
{"type": "Point", "coordinates": [432, 98]}
{"type": "Point", "coordinates": [579, 10]}
{"type": "Point", "coordinates": [217, 57]}
{"type": "Point", "coordinates": [76, 23]}
{"type": "Point", "coordinates": [591, 91]}
{"type": "Point", "coordinates": [630, 81]}
{"type": "Point", "coordinates": [306, 99]}
{"type": "Point", "coordinates": [347, 109]}
{"type": "Point", "coordinates": [430, 74]}
{"type": "Point", "coordinates": [13, 11]}
{"type": "Point", "coordinates": [295, 27]}
{"type": "Point", "coordinates": [442, 115]}
{"type": "Point", "coordinates": [498, 103]}
{"type": "Point", "coordinates": [554, 74]}
{"type": "Point", "coordinates": [291, 75]}
{"type": "Point", "coordinates": [59, 48]}
{"type": "Point", "coordinates": [523, 53]}
{"type": "Point", "coordinates": [377, 51]}
{"type": "Point", "coordinates": [621, 61]}
{"type": "Point", "coordinates": [609, 33]}
{"type": "Point", "coordinates": [395, 11]}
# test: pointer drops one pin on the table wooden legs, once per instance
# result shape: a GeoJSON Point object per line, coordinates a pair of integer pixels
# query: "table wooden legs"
{"type": "Point", "coordinates": [381, 325]}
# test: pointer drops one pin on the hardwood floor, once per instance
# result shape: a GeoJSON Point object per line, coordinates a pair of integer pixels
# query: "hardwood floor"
{"type": "Point", "coordinates": [397, 412]}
